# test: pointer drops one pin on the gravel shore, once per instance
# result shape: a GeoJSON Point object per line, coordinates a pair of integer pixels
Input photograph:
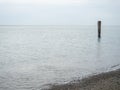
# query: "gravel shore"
{"type": "Point", "coordinates": [104, 81]}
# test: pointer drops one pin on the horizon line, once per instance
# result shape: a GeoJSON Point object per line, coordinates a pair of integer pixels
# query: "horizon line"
{"type": "Point", "coordinates": [57, 25]}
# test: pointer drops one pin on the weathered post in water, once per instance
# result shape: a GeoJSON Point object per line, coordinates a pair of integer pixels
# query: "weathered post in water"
{"type": "Point", "coordinates": [99, 29]}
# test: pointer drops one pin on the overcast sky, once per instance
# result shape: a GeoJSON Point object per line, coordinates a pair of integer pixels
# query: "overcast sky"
{"type": "Point", "coordinates": [59, 12]}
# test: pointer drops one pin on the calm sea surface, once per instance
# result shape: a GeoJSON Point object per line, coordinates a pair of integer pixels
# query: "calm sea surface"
{"type": "Point", "coordinates": [33, 56]}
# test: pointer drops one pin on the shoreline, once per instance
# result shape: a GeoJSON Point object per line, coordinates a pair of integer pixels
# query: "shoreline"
{"type": "Point", "coordinates": [104, 81]}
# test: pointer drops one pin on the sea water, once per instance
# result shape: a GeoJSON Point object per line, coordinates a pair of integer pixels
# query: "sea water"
{"type": "Point", "coordinates": [32, 57]}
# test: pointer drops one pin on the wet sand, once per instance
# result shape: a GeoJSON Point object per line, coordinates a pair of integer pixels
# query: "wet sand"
{"type": "Point", "coordinates": [104, 81]}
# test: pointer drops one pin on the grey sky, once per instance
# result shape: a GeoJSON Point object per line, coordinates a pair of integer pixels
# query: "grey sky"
{"type": "Point", "coordinates": [59, 12]}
